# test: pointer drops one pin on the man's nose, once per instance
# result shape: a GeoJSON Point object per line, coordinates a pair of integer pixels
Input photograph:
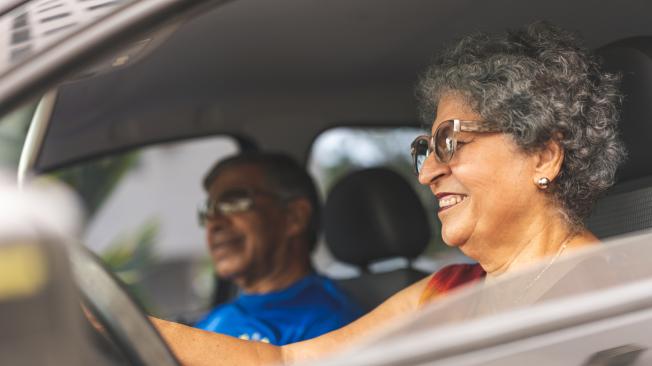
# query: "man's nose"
{"type": "Point", "coordinates": [215, 222]}
{"type": "Point", "coordinates": [432, 170]}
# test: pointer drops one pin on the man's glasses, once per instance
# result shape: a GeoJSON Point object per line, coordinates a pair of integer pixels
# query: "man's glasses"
{"type": "Point", "coordinates": [229, 203]}
{"type": "Point", "coordinates": [444, 141]}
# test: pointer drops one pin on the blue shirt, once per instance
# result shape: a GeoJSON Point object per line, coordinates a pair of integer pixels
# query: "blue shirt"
{"type": "Point", "coordinates": [310, 307]}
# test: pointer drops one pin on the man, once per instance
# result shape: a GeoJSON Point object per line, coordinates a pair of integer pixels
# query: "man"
{"type": "Point", "coordinates": [261, 220]}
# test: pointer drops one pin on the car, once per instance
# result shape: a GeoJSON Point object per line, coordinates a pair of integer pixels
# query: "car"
{"type": "Point", "coordinates": [83, 81]}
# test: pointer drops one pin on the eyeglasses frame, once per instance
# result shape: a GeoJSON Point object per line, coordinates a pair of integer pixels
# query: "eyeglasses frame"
{"type": "Point", "coordinates": [209, 205]}
{"type": "Point", "coordinates": [458, 126]}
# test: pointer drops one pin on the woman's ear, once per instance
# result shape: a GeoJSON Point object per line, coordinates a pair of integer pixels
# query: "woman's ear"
{"type": "Point", "coordinates": [548, 161]}
{"type": "Point", "coordinates": [299, 212]}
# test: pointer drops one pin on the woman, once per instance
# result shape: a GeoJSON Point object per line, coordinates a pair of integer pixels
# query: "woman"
{"type": "Point", "coordinates": [523, 141]}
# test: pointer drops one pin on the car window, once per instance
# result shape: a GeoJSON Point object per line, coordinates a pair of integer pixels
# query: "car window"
{"type": "Point", "coordinates": [13, 129]}
{"type": "Point", "coordinates": [142, 209]}
{"type": "Point", "coordinates": [340, 151]}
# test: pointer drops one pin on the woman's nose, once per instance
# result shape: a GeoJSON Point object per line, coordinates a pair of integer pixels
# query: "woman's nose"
{"type": "Point", "coordinates": [432, 170]}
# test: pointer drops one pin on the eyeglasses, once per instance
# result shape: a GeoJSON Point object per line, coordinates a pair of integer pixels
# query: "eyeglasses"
{"type": "Point", "coordinates": [229, 203]}
{"type": "Point", "coordinates": [444, 141]}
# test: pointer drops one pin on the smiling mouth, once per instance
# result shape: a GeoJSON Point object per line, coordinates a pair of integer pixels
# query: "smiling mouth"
{"type": "Point", "coordinates": [449, 200]}
{"type": "Point", "coordinates": [224, 246]}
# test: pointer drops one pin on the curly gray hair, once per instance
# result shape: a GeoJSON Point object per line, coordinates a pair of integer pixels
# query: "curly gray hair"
{"type": "Point", "coordinates": [540, 85]}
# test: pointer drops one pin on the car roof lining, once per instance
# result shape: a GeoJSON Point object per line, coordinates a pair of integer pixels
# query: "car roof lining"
{"type": "Point", "coordinates": [244, 68]}
{"type": "Point", "coordinates": [96, 130]}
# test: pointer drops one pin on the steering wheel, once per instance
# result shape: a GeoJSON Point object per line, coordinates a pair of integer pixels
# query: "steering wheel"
{"type": "Point", "coordinates": [121, 319]}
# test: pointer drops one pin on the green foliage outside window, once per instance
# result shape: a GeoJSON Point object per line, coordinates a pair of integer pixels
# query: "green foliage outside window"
{"type": "Point", "coordinates": [13, 129]}
{"type": "Point", "coordinates": [130, 254]}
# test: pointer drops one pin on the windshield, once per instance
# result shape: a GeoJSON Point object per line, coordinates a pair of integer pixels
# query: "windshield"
{"type": "Point", "coordinates": [37, 25]}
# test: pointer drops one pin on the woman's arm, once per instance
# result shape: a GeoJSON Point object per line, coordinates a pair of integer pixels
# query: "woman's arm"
{"type": "Point", "coordinates": [196, 347]}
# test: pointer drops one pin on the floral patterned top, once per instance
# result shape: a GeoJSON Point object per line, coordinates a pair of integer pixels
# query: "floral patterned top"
{"type": "Point", "coordinates": [450, 277]}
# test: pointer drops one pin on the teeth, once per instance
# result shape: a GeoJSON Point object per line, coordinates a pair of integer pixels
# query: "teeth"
{"type": "Point", "coordinates": [450, 200]}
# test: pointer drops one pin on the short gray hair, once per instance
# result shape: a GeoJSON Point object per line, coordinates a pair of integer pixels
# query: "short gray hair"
{"type": "Point", "coordinates": [539, 84]}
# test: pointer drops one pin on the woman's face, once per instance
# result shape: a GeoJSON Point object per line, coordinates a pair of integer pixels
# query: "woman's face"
{"type": "Point", "coordinates": [486, 192]}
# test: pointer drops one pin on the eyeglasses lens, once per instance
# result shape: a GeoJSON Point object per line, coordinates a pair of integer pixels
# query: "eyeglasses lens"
{"type": "Point", "coordinates": [420, 151]}
{"type": "Point", "coordinates": [444, 142]}
{"type": "Point", "coordinates": [229, 203]}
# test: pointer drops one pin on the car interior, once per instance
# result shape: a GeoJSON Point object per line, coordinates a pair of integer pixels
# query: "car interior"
{"type": "Point", "coordinates": [627, 207]}
{"type": "Point", "coordinates": [371, 215]}
{"type": "Point", "coordinates": [272, 88]}
{"type": "Point", "coordinates": [275, 75]}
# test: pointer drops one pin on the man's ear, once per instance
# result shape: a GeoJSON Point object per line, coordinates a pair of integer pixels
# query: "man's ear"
{"type": "Point", "coordinates": [548, 161]}
{"type": "Point", "coordinates": [299, 212]}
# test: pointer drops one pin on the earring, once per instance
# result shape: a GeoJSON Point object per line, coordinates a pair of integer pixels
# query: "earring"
{"type": "Point", "coordinates": [543, 183]}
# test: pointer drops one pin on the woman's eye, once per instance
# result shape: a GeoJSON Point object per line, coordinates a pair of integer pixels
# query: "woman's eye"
{"type": "Point", "coordinates": [463, 140]}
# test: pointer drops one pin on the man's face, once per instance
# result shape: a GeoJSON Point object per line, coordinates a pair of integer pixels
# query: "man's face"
{"type": "Point", "coordinates": [243, 244]}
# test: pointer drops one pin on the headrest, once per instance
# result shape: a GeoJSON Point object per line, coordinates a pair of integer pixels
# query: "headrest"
{"type": "Point", "coordinates": [374, 214]}
{"type": "Point", "coordinates": [632, 58]}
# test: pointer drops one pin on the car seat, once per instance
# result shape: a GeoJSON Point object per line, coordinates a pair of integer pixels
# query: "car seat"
{"type": "Point", "coordinates": [628, 205]}
{"type": "Point", "coordinates": [371, 215]}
